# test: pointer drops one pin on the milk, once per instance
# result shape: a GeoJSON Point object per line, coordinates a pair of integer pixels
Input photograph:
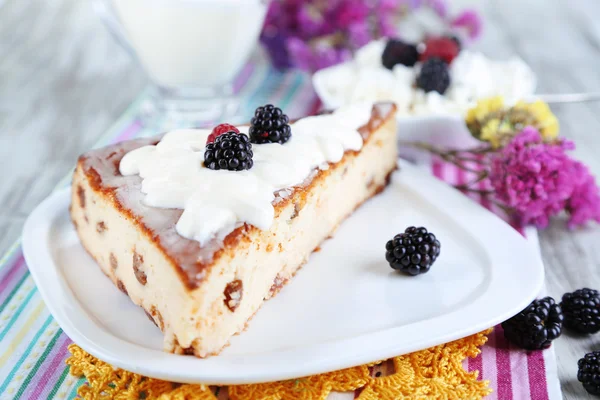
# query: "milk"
{"type": "Point", "coordinates": [184, 43]}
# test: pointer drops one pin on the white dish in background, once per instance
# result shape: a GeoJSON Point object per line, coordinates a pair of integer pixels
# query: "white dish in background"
{"type": "Point", "coordinates": [473, 77]}
{"type": "Point", "coordinates": [345, 307]}
{"type": "Point", "coordinates": [429, 117]}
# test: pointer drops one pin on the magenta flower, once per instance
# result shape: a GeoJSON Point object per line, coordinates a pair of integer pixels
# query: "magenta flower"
{"type": "Point", "coordinates": [300, 53]}
{"type": "Point", "coordinates": [359, 34]}
{"type": "Point", "coordinates": [533, 178]}
{"type": "Point", "coordinates": [584, 203]}
{"type": "Point", "coordinates": [470, 22]}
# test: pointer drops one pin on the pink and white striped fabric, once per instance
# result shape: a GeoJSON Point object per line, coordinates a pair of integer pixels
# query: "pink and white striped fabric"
{"type": "Point", "coordinates": [514, 374]}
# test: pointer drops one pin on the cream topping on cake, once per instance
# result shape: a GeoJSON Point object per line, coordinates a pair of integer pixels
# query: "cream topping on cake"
{"type": "Point", "coordinates": [214, 203]}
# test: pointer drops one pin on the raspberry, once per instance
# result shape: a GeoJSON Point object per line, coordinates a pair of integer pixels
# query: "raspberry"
{"type": "Point", "coordinates": [413, 251]}
{"type": "Point", "coordinates": [443, 48]}
{"type": "Point", "coordinates": [535, 327]}
{"type": "Point", "coordinates": [231, 151]}
{"type": "Point", "coordinates": [219, 130]}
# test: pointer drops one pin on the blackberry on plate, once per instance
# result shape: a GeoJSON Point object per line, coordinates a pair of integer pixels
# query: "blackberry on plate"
{"type": "Point", "coordinates": [398, 52]}
{"type": "Point", "coordinates": [413, 251]}
{"type": "Point", "coordinates": [231, 150]}
{"type": "Point", "coordinates": [588, 372]}
{"type": "Point", "coordinates": [434, 76]}
{"type": "Point", "coordinates": [581, 309]}
{"type": "Point", "coordinates": [269, 125]}
{"type": "Point", "coordinates": [535, 327]}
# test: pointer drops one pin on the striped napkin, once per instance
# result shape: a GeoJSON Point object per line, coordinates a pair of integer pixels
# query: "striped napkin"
{"type": "Point", "coordinates": [34, 348]}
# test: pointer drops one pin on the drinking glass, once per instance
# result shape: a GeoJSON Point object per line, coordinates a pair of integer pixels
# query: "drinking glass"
{"type": "Point", "coordinates": [191, 51]}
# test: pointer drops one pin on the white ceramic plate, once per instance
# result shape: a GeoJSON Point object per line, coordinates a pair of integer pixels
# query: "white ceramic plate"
{"type": "Point", "coordinates": [345, 307]}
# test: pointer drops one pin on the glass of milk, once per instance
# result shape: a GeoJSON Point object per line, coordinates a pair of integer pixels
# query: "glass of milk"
{"type": "Point", "coordinates": [190, 49]}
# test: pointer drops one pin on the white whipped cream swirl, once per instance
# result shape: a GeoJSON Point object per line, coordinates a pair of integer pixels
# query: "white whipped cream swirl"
{"type": "Point", "coordinates": [214, 203]}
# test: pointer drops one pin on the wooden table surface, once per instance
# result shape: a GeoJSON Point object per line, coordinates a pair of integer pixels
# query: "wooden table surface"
{"type": "Point", "coordinates": [63, 81]}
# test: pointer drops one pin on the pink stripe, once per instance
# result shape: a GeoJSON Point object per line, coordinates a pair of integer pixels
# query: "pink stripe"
{"type": "Point", "coordinates": [537, 376]}
{"type": "Point", "coordinates": [483, 186]}
{"type": "Point", "coordinates": [243, 77]}
{"type": "Point", "coordinates": [488, 357]}
{"type": "Point", "coordinates": [504, 376]}
{"type": "Point", "coordinates": [13, 271]}
{"type": "Point", "coordinates": [476, 364]}
{"type": "Point", "coordinates": [518, 369]}
{"type": "Point", "coordinates": [45, 383]}
{"type": "Point", "coordinates": [437, 168]}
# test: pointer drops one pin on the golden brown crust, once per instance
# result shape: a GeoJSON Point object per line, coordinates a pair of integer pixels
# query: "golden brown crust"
{"type": "Point", "coordinates": [191, 275]}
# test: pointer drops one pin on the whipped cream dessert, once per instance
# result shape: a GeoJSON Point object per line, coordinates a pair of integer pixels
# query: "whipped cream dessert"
{"type": "Point", "coordinates": [200, 250]}
{"type": "Point", "coordinates": [473, 76]}
{"type": "Point", "coordinates": [214, 203]}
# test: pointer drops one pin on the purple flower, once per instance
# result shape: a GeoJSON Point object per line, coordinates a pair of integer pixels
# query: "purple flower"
{"type": "Point", "coordinates": [359, 34]}
{"type": "Point", "coordinates": [333, 29]}
{"type": "Point", "coordinates": [351, 11]}
{"type": "Point", "coordinates": [326, 55]}
{"type": "Point", "coordinates": [387, 6]}
{"type": "Point", "coordinates": [584, 204]}
{"type": "Point", "coordinates": [533, 178]}
{"type": "Point", "coordinates": [277, 46]}
{"type": "Point", "coordinates": [470, 22]}
{"type": "Point", "coordinates": [300, 54]}
{"type": "Point", "coordinates": [309, 21]}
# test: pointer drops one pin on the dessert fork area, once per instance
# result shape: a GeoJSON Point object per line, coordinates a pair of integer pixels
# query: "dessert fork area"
{"type": "Point", "coordinates": [67, 86]}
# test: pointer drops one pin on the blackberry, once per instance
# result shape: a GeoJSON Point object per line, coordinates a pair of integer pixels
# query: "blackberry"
{"type": "Point", "coordinates": [535, 327]}
{"type": "Point", "coordinates": [588, 372]}
{"type": "Point", "coordinates": [269, 125]}
{"type": "Point", "coordinates": [582, 310]}
{"type": "Point", "coordinates": [413, 251]}
{"type": "Point", "coordinates": [398, 52]}
{"type": "Point", "coordinates": [231, 150]}
{"type": "Point", "coordinates": [434, 75]}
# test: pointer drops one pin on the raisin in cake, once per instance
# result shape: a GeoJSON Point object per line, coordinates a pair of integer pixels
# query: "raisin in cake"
{"type": "Point", "coordinates": [200, 250]}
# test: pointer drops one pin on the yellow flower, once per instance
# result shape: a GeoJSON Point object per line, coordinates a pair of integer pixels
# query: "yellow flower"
{"type": "Point", "coordinates": [546, 122]}
{"type": "Point", "coordinates": [491, 121]}
{"type": "Point", "coordinates": [483, 108]}
{"type": "Point", "coordinates": [489, 132]}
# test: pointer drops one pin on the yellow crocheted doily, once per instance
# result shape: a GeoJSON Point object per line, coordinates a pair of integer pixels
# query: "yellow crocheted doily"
{"type": "Point", "coordinates": [434, 373]}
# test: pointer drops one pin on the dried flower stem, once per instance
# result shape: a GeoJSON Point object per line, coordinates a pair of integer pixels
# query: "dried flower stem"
{"type": "Point", "coordinates": [457, 157]}
{"type": "Point", "coordinates": [476, 156]}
